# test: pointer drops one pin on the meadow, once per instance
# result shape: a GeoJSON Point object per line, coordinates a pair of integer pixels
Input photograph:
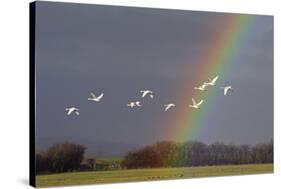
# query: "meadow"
{"type": "Point", "coordinates": [131, 175]}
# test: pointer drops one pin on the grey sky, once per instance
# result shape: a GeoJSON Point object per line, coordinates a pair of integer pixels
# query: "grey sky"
{"type": "Point", "coordinates": [120, 50]}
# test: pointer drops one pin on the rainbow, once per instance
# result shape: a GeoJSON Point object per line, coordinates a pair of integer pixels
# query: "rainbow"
{"type": "Point", "coordinates": [213, 60]}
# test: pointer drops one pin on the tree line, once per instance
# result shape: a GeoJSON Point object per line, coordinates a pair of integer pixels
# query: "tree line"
{"type": "Point", "coordinates": [67, 157]}
{"type": "Point", "coordinates": [194, 153]}
{"type": "Point", "coordinates": [61, 157]}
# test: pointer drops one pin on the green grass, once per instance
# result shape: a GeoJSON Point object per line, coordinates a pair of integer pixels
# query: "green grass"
{"type": "Point", "coordinates": [79, 178]}
{"type": "Point", "coordinates": [109, 159]}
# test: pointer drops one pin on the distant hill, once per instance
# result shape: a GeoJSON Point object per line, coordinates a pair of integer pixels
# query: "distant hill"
{"type": "Point", "coordinates": [94, 148]}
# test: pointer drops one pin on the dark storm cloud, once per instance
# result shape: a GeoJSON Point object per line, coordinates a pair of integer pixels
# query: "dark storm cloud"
{"type": "Point", "coordinates": [120, 50]}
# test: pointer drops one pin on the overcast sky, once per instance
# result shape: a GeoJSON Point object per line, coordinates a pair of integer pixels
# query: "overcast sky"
{"type": "Point", "coordinates": [120, 50]}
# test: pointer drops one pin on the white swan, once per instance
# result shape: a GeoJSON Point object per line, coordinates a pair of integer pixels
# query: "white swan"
{"type": "Point", "coordinates": [168, 106]}
{"type": "Point", "coordinates": [227, 90]}
{"type": "Point", "coordinates": [71, 110]}
{"type": "Point", "coordinates": [195, 105]}
{"type": "Point", "coordinates": [201, 88]}
{"type": "Point", "coordinates": [94, 98]}
{"type": "Point", "coordinates": [134, 104]}
{"type": "Point", "coordinates": [211, 82]}
{"type": "Point", "coordinates": [146, 92]}
{"type": "Point", "coordinates": [131, 104]}
{"type": "Point", "coordinates": [138, 103]}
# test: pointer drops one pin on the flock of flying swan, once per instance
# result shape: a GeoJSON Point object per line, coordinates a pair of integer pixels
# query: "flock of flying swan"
{"type": "Point", "coordinates": [150, 94]}
{"type": "Point", "coordinates": [226, 90]}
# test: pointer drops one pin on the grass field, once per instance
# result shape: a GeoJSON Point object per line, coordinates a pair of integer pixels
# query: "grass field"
{"type": "Point", "coordinates": [79, 178]}
{"type": "Point", "coordinates": [109, 159]}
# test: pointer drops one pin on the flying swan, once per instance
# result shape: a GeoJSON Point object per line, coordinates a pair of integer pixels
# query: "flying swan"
{"type": "Point", "coordinates": [227, 90]}
{"type": "Point", "coordinates": [134, 104]}
{"type": "Point", "coordinates": [168, 106]}
{"type": "Point", "coordinates": [71, 110]}
{"type": "Point", "coordinates": [211, 82]}
{"type": "Point", "coordinates": [146, 92]}
{"type": "Point", "coordinates": [195, 105]}
{"type": "Point", "coordinates": [201, 88]}
{"type": "Point", "coordinates": [94, 98]}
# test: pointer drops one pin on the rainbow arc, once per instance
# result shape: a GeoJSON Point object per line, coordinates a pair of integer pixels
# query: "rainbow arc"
{"type": "Point", "coordinates": [215, 59]}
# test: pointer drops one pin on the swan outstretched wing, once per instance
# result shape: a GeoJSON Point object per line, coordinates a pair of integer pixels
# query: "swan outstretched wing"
{"type": "Point", "coordinates": [144, 93]}
{"type": "Point", "coordinates": [99, 97]}
{"type": "Point", "coordinates": [166, 107]}
{"type": "Point", "coordinates": [199, 103]}
{"type": "Point", "coordinates": [225, 90]}
{"type": "Point", "coordinates": [137, 103]}
{"type": "Point", "coordinates": [215, 79]}
{"type": "Point", "coordinates": [70, 110]}
{"type": "Point", "coordinates": [93, 95]}
{"type": "Point", "coordinates": [193, 101]}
